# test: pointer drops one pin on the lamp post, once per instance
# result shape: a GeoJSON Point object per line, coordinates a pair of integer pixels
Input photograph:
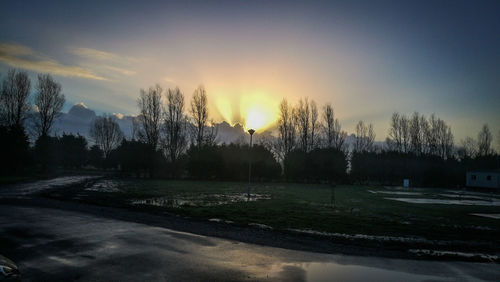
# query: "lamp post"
{"type": "Point", "coordinates": [251, 131]}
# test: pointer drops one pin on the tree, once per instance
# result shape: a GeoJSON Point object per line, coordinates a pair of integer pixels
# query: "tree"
{"type": "Point", "coordinates": [202, 133]}
{"type": "Point", "coordinates": [302, 115]}
{"type": "Point", "coordinates": [106, 133]}
{"type": "Point", "coordinates": [175, 125]}
{"type": "Point", "coordinates": [72, 150]}
{"type": "Point", "coordinates": [14, 98]}
{"type": "Point", "coordinates": [364, 137]}
{"type": "Point", "coordinates": [484, 138]}
{"type": "Point", "coordinates": [328, 125]}
{"type": "Point", "coordinates": [334, 135]}
{"type": "Point", "coordinates": [287, 130]}
{"type": "Point", "coordinates": [14, 150]}
{"type": "Point", "coordinates": [468, 148]}
{"type": "Point", "coordinates": [150, 113]}
{"type": "Point", "coordinates": [418, 126]}
{"type": "Point", "coordinates": [49, 101]}
{"type": "Point", "coordinates": [314, 124]}
{"type": "Point", "coordinates": [96, 156]}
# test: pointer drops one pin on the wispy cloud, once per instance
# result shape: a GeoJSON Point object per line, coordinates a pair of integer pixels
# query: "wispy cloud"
{"type": "Point", "coordinates": [104, 61]}
{"type": "Point", "coordinates": [21, 56]}
{"type": "Point", "coordinates": [100, 55]}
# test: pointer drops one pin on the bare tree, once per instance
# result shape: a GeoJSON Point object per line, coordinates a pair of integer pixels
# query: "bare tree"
{"type": "Point", "coordinates": [339, 136]}
{"type": "Point", "coordinates": [49, 101]}
{"type": "Point", "coordinates": [468, 148]}
{"type": "Point", "coordinates": [287, 130]}
{"type": "Point", "coordinates": [203, 134]}
{"type": "Point", "coordinates": [399, 133]}
{"type": "Point", "coordinates": [150, 113]}
{"type": "Point", "coordinates": [418, 125]}
{"type": "Point", "coordinates": [365, 136]}
{"type": "Point", "coordinates": [334, 135]}
{"type": "Point", "coordinates": [14, 98]}
{"type": "Point", "coordinates": [106, 133]}
{"type": "Point", "coordinates": [328, 124]}
{"type": "Point", "coordinates": [484, 139]}
{"type": "Point", "coordinates": [314, 125]}
{"type": "Point", "coordinates": [303, 113]}
{"type": "Point", "coordinates": [175, 125]}
{"type": "Point", "coordinates": [445, 140]}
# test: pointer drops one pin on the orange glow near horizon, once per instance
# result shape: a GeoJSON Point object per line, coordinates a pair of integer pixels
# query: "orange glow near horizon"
{"type": "Point", "coordinates": [257, 111]}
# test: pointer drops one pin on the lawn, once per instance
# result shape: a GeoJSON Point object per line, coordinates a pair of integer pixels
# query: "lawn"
{"type": "Point", "coordinates": [285, 206]}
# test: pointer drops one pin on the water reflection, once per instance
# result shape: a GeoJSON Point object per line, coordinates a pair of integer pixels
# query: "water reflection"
{"type": "Point", "coordinates": [202, 200]}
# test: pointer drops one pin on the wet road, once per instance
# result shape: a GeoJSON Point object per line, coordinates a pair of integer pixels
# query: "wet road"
{"type": "Point", "coordinates": [23, 190]}
{"type": "Point", "coordinates": [53, 245]}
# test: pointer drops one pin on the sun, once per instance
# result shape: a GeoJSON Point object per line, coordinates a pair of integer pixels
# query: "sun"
{"type": "Point", "coordinates": [258, 110]}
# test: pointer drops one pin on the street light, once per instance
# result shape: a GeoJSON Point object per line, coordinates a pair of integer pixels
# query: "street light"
{"type": "Point", "coordinates": [251, 131]}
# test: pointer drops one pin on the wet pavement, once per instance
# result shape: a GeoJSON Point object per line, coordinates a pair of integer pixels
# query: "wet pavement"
{"type": "Point", "coordinates": [23, 190]}
{"type": "Point", "coordinates": [57, 245]}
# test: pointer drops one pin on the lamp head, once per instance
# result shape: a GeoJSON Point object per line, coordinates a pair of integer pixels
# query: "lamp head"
{"type": "Point", "coordinates": [251, 131]}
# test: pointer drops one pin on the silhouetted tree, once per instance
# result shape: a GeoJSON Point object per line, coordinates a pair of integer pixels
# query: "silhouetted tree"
{"type": "Point", "coordinates": [364, 137]}
{"type": "Point", "coordinates": [14, 95]}
{"type": "Point", "coordinates": [326, 164]}
{"type": "Point", "coordinates": [137, 158]}
{"type": "Point", "coordinates": [106, 133]}
{"type": "Point", "coordinates": [468, 148]}
{"type": "Point", "coordinates": [96, 156]}
{"type": "Point", "coordinates": [202, 133]}
{"type": "Point", "coordinates": [286, 130]}
{"type": "Point", "coordinates": [332, 130]}
{"type": "Point", "coordinates": [49, 101]}
{"type": "Point", "coordinates": [418, 127]}
{"type": "Point", "coordinates": [175, 125]}
{"type": "Point", "coordinates": [14, 151]}
{"type": "Point", "coordinates": [47, 154]}
{"type": "Point", "coordinates": [150, 116]}
{"type": "Point", "coordinates": [73, 150]}
{"type": "Point", "coordinates": [314, 125]}
{"type": "Point", "coordinates": [303, 117]}
{"type": "Point", "coordinates": [399, 133]}
{"type": "Point", "coordinates": [484, 139]}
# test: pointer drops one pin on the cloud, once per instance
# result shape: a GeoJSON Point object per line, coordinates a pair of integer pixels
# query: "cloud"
{"type": "Point", "coordinates": [99, 55]}
{"type": "Point", "coordinates": [120, 70]}
{"type": "Point", "coordinates": [104, 61]}
{"type": "Point", "coordinates": [21, 56]}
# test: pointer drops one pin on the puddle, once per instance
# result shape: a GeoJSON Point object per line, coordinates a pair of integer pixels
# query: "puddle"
{"type": "Point", "coordinates": [395, 193]}
{"type": "Point", "coordinates": [107, 186]}
{"type": "Point", "coordinates": [364, 236]}
{"type": "Point", "coordinates": [436, 253]}
{"type": "Point", "coordinates": [468, 197]}
{"type": "Point", "coordinates": [488, 215]}
{"type": "Point", "coordinates": [447, 202]}
{"type": "Point", "coordinates": [332, 271]}
{"type": "Point", "coordinates": [202, 200]}
{"type": "Point", "coordinates": [469, 193]}
{"type": "Point", "coordinates": [260, 225]}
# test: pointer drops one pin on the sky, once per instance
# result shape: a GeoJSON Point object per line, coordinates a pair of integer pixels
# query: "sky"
{"type": "Point", "coordinates": [367, 58]}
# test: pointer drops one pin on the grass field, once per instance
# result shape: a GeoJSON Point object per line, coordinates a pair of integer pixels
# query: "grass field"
{"type": "Point", "coordinates": [308, 207]}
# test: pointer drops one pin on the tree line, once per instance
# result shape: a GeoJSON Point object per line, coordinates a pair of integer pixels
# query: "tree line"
{"type": "Point", "coordinates": [177, 140]}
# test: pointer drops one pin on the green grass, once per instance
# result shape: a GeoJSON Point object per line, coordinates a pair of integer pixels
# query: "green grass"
{"type": "Point", "coordinates": [308, 206]}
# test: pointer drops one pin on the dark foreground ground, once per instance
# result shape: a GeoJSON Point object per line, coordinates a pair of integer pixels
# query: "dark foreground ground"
{"type": "Point", "coordinates": [55, 240]}
{"type": "Point", "coordinates": [59, 245]}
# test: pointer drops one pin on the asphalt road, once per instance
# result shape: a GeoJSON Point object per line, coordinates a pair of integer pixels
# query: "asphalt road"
{"type": "Point", "coordinates": [59, 245]}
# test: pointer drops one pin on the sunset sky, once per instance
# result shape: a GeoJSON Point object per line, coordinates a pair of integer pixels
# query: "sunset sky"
{"type": "Point", "coordinates": [368, 58]}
